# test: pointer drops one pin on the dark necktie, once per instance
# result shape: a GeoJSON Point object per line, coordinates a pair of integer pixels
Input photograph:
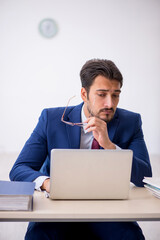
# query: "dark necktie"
{"type": "Point", "coordinates": [95, 144]}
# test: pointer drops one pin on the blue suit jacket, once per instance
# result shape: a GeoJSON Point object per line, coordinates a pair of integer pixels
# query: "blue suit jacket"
{"type": "Point", "coordinates": [124, 130]}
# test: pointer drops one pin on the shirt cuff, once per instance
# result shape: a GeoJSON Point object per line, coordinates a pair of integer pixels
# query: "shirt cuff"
{"type": "Point", "coordinates": [117, 147]}
{"type": "Point", "coordinates": [39, 181]}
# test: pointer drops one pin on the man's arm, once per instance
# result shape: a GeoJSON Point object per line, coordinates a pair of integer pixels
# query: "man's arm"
{"type": "Point", "coordinates": [141, 163]}
{"type": "Point", "coordinates": [33, 154]}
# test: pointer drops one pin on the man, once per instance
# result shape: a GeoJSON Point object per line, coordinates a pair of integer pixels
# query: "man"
{"type": "Point", "coordinates": [102, 121]}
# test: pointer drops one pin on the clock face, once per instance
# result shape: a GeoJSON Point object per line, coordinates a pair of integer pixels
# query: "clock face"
{"type": "Point", "coordinates": [48, 28]}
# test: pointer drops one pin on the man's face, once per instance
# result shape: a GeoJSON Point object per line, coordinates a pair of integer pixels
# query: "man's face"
{"type": "Point", "coordinates": [102, 99]}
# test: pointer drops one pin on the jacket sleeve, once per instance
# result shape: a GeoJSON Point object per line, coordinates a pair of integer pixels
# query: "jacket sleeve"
{"type": "Point", "coordinates": [141, 164]}
{"type": "Point", "coordinates": [33, 154]}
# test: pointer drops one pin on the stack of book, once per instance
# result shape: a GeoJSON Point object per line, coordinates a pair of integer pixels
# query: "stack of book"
{"type": "Point", "coordinates": [16, 196]}
{"type": "Point", "coordinates": [153, 185]}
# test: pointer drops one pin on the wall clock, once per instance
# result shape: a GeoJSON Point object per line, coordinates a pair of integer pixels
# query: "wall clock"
{"type": "Point", "coordinates": [48, 28]}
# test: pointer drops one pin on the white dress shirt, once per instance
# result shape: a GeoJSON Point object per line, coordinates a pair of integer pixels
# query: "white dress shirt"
{"type": "Point", "coordinates": [86, 138]}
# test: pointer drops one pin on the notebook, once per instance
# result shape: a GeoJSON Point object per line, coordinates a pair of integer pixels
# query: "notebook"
{"type": "Point", "coordinates": [90, 174]}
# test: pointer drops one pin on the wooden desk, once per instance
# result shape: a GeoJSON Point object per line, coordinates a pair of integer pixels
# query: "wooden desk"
{"type": "Point", "coordinates": [141, 206]}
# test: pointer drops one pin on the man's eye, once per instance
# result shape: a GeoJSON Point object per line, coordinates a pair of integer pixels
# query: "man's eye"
{"type": "Point", "coordinates": [101, 95]}
{"type": "Point", "coordinates": [115, 96]}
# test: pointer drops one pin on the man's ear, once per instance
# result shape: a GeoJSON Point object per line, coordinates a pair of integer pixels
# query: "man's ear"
{"type": "Point", "coordinates": [83, 94]}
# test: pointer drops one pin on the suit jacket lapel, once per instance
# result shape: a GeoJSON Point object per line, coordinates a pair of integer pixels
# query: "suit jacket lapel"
{"type": "Point", "coordinates": [74, 132]}
{"type": "Point", "coordinates": [112, 126]}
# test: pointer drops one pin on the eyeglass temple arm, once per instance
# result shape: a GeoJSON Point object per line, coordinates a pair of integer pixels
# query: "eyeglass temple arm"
{"type": "Point", "coordinates": [62, 118]}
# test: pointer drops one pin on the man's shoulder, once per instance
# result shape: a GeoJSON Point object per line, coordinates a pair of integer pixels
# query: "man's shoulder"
{"type": "Point", "coordinates": [128, 121]}
{"type": "Point", "coordinates": [120, 112]}
{"type": "Point", "coordinates": [58, 111]}
{"type": "Point", "coordinates": [127, 117]}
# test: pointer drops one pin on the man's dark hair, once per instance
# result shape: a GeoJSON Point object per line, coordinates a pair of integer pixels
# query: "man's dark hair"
{"type": "Point", "coordinates": [95, 67]}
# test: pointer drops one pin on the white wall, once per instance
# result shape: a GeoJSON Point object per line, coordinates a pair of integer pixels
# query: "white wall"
{"type": "Point", "coordinates": [36, 72]}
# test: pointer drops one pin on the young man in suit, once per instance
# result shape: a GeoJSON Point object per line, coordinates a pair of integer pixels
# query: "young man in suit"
{"type": "Point", "coordinates": [101, 120]}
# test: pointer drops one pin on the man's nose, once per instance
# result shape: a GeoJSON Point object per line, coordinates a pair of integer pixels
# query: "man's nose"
{"type": "Point", "coordinates": [108, 102]}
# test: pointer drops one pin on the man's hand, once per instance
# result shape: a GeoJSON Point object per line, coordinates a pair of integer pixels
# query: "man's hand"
{"type": "Point", "coordinates": [100, 132]}
{"type": "Point", "coordinates": [46, 185]}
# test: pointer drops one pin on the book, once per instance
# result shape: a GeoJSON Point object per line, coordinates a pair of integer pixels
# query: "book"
{"type": "Point", "coordinates": [16, 196]}
{"type": "Point", "coordinates": [154, 181]}
{"type": "Point", "coordinates": [152, 189]}
{"type": "Point", "coordinates": [153, 185]}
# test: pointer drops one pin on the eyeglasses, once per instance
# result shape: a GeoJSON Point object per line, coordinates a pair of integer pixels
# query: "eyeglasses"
{"type": "Point", "coordinates": [71, 123]}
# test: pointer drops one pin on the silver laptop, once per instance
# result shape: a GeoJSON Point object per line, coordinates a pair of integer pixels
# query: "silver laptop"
{"type": "Point", "coordinates": [90, 174]}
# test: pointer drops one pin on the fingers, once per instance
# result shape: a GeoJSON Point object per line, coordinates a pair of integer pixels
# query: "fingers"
{"type": "Point", "coordinates": [46, 185]}
{"type": "Point", "coordinates": [99, 129]}
{"type": "Point", "coordinates": [95, 124]}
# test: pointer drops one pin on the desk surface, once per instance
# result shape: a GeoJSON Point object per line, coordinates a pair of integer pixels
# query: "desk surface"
{"type": "Point", "coordinates": [141, 206]}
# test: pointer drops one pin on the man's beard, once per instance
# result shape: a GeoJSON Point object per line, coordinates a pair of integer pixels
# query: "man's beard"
{"type": "Point", "coordinates": [92, 114]}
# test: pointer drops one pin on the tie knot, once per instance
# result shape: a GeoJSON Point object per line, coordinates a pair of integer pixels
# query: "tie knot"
{"type": "Point", "coordinates": [95, 144]}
